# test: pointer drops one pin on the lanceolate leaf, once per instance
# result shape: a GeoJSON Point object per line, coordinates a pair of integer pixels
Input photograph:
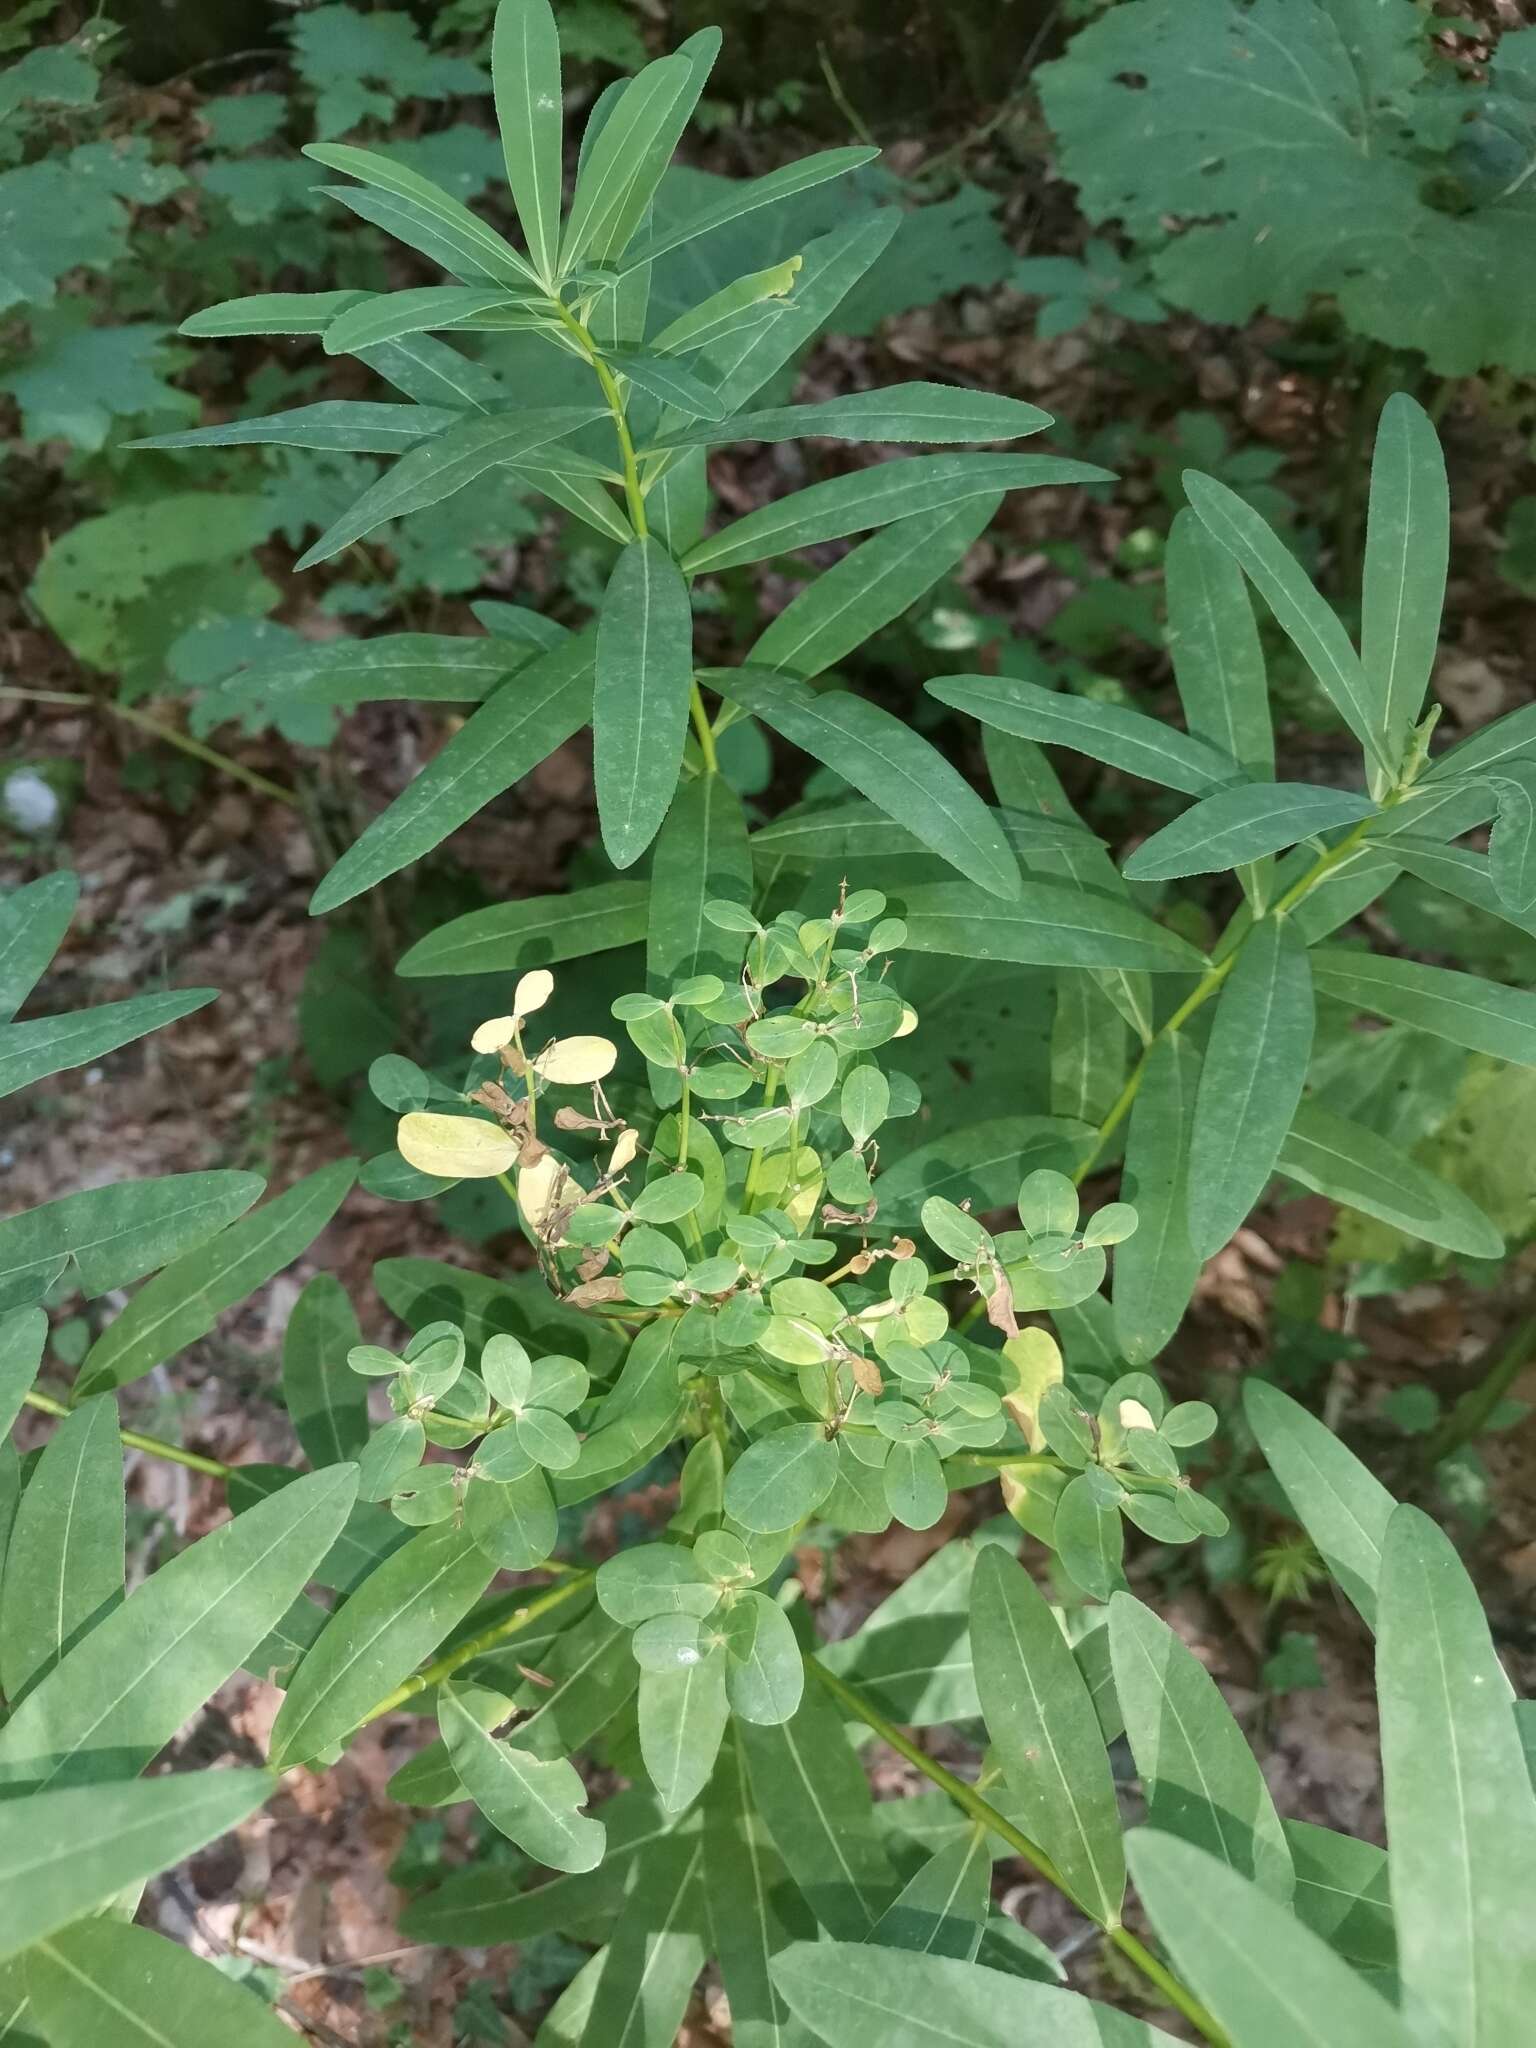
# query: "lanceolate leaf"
{"type": "Point", "coordinates": [434, 374]}
{"type": "Point", "coordinates": [1107, 732]}
{"type": "Point", "coordinates": [873, 497]}
{"type": "Point", "coordinates": [102, 1980]}
{"type": "Point", "coordinates": [944, 1907]}
{"type": "Point", "coordinates": [118, 1697]}
{"type": "Point", "coordinates": [1214, 642]}
{"type": "Point", "coordinates": [748, 196]}
{"type": "Point", "coordinates": [1045, 1733]}
{"type": "Point", "coordinates": [1342, 1507]}
{"type": "Point", "coordinates": [655, 1952]}
{"type": "Point", "coordinates": [396, 1618]}
{"type": "Point", "coordinates": [183, 1302]}
{"type": "Point", "coordinates": [327, 1402]}
{"type": "Point", "coordinates": [683, 1714]}
{"type": "Point", "coordinates": [701, 856]}
{"type": "Point", "coordinates": [354, 427]}
{"type": "Point", "coordinates": [534, 1802]}
{"type": "Point", "coordinates": [640, 697]}
{"type": "Point", "coordinates": [754, 1911]}
{"type": "Point", "coordinates": [66, 1853]}
{"type": "Point", "coordinates": [1459, 872]}
{"type": "Point", "coordinates": [1312, 628]}
{"type": "Point", "coordinates": [538, 931]}
{"type": "Point", "coordinates": [1237, 825]}
{"type": "Point", "coordinates": [33, 921]}
{"type": "Point", "coordinates": [668, 382]}
{"type": "Point", "coordinates": [1251, 1079]}
{"type": "Point", "coordinates": [1464, 1008]}
{"type": "Point", "coordinates": [51, 1045]}
{"type": "Point", "coordinates": [425, 667]}
{"type": "Point", "coordinates": [64, 1568]}
{"type": "Point", "coordinates": [23, 1333]}
{"type": "Point", "coordinates": [415, 312]}
{"type": "Point", "coordinates": [525, 69]}
{"type": "Point", "coordinates": [1267, 1979]}
{"type": "Point", "coordinates": [469, 242]}
{"type": "Point", "coordinates": [1407, 541]}
{"type": "Point", "coordinates": [116, 1234]}
{"type": "Point", "coordinates": [1199, 1775]}
{"type": "Point", "coordinates": [271, 313]}
{"type": "Point", "coordinates": [889, 763]}
{"type": "Point", "coordinates": [1156, 1270]}
{"type": "Point", "coordinates": [1048, 926]}
{"type": "Point", "coordinates": [933, 413]}
{"type": "Point", "coordinates": [1511, 738]}
{"type": "Point", "coordinates": [445, 464]}
{"type": "Point", "coordinates": [620, 175]}
{"type": "Point", "coordinates": [1342, 1893]}
{"type": "Point", "coordinates": [547, 701]}
{"type": "Point", "coordinates": [1512, 846]}
{"type": "Point", "coordinates": [1349, 1163]}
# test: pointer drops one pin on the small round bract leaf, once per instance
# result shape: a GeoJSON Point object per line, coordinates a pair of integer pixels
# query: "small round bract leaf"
{"type": "Point", "coordinates": [914, 1483]}
{"type": "Point", "coordinates": [373, 1361]}
{"type": "Point", "coordinates": [533, 991]}
{"type": "Point", "coordinates": [398, 1082]}
{"type": "Point", "coordinates": [513, 1524]}
{"type": "Point", "coordinates": [430, 1495]}
{"type": "Point", "coordinates": [723, 1557]}
{"type": "Point", "coordinates": [389, 1454]}
{"type": "Point", "coordinates": [764, 1671]}
{"type": "Point", "coordinates": [548, 1439]}
{"type": "Point", "coordinates": [782, 1478]}
{"type": "Point", "coordinates": [668, 1198]}
{"type": "Point", "coordinates": [653, 1578]}
{"type": "Point", "coordinates": [502, 1455]}
{"type": "Point", "coordinates": [573, 1062]}
{"type": "Point", "coordinates": [1047, 1203]}
{"type": "Point", "coordinates": [507, 1370]}
{"type": "Point", "coordinates": [1189, 1422]}
{"type": "Point", "coordinates": [1112, 1224]}
{"type": "Point", "coordinates": [455, 1147]}
{"type": "Point", "coordinates": [493, 1034]}
{"type": "Point", "coordinates": [668, 1642]}
{"type": "Point", "coordinates": [560, 1384]}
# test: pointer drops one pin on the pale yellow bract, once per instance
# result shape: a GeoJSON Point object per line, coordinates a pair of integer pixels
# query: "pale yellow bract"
{"type": "Point", "coordinates": [536, 1187]}
{"type": "Point", "coordinates": [625, 1148]}
{"type": "Point", "coordinates": [493, 1034]}
{"type": "Point", "coordinates": [1133, 1415]}
{"type": "Point", "coordinates": [533, 991]}
{"type": "Point", "coordinates": [454, 1147]}
{"type": "Point", "coordinates": [570, 1061]}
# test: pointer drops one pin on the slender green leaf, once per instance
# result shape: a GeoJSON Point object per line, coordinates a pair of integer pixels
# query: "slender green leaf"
{"type": "Point", "coordinates": [854, 830]}
{"type": "Point", "coordinates": [23, 1333]}
{"type": "Point", "coordinates": [618, 180]}
{"type": "Point", "coordinates": [1045, 1733]}
{"type": "Point", "coordinates": [350, 426]}
{"type": "Point", "coordinates": [1507, 739]}
{"type": "Point", "coordinates": [1237, 825]}
{"type": "Point", "coordinates": [933, 413]}
{"type": "Point", "coordinates": [944, 1906]}
{"type": "Point", "coordinates": [186, 1299]}
{"type": "Point", "coordinates": [1088, 1046]}
{"type": "Point", "coordinates": [1407, 541]}
{"type": "Point", "coordinates": [579, 494]}
{"type": "Point", "coordinates": [655, 1953]}
{"type": "Point", "coordinates": [432, 373]}
{"type": "Point", "coordinates": [118, 1697]}
{"type": "Point", "coordinates": [748, 196]}
{"type": "Point", "coordinates": [1337, 1157]}
{"type": "Point", "coordinates": [437, 468]}
{"type": "Point", "coordinates": [591, 1675]}
{"type": "Point", "coordinates": [468, 240]}
{"type": "Point", "coordinates": [395, 1618]}
{"type": "Point", "coordinates": [546, 702]}
{"type": "Point", "coordinates": [1464, 1008]}
{"type": "Point", "coordinates": [538, 931]}
{"type": "Point", "coordinates": [116, 1234]}
{"type": "Point", "coordinates": [842, 607]}
{"type": "Point", "coordinates": [1270, 1982]}
{"type": "Point", "coordinates": [866, 498]}
{"type": "Point", "coordinates": [1512, 845]}
{"type": "Point", "coordinates": [1214, 643]}
{"type": "Point", "coordinates": [1125, 739]}
{"type": "Point", "coordinates": [102, 1980]}
{"type": "Point", "coordinates": [810, 1788]}
{"type": "Point", "coordinates": [271, 313]}
{"type": "Point", "coordinates": [1461, 1813]}
{"type": "Point", "coordinates": [1049, 926]}
{"type": "Point", "coordinates": [67, 1853]}
{"type": "Point", "coordinates": [889, 763]}
{"type": "Point", "coordinates": [327, 1402]}
{"type": "Point", "coordinates": [64, 1569]}
{"type": "Point", "coordinates": [1460, 873]}
{"type": "Point", "coordinates": [701, 855]}
{"type": "Point", "coordinates": [1342, 1507]}
{"type": "Point", "coordinates": [1199, 1775]}
{"type": "Point", "coordinates": [865, 1997]}
{"type": "Point", "coordinates": [533, 1801]}
{"type": "Point", "coordinates": [425, 667]}
{"type": "Point", "coordinates": [1251, 1079]}
{"type": "Point", "coordinates": [1306, 620]}
{"type": "Point", "coordinates": [525, 70]}
{"type": "Point", "coordinates": [683, 1715]}
{"type": "Point", "coordinates": [51, 1045]}
{"type": "Point", "coordinates": [1156, 1270]}
{"type": "Point", "coordinates": [640, 698]}
{"type": "Point", "coordinates": [667, 381]}
{"type": "Point", "coordinates": [33, 921]}
{"type": "Point", "coordinates": [414, 312]}
{"type": "Point", "coordinates": [1342, 1894]}
{"type": "Point", "coordinates": [754, 1912]}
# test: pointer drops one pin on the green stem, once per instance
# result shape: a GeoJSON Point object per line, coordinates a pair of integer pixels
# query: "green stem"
{"type": "Point", "coordinates": [1211, 981]}
{"type": "Point", "coordinates": [982, 1811]}
{"type": "Point", "coordinates": [488, 1639]}
{"type": "Point", "coordinates": [1472, 1411]}
{"type": "Point", "coordinates": [153, 1446]}
{"type": "Point", "coordinates": [209, 756]}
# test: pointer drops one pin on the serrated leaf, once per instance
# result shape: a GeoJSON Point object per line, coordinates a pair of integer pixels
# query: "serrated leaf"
{"type": "Point", "coordinates": [52, 1045]}
{"type": "Point", "coordinates": [117, 1698]}
{"type": "Point", "coordinates": [395, 1618]}
{"type": "Point", "coordinates": [889, 763]}
{"type": "Point", "coordinates": [1106, 732]}
{"type": "Point", "coordinates": [1407, 541]}
{"type": "Point", "coordinates": [1048, 926]}
{"type": "Point", "coordinates": [33, 921]}
{"type": "Point", "coordinates": [1156, 1270]}
{"type": "Point", "coordinates": [550, 699]}
{"type": "Point", "coordinates": [1251, 1079]}
{"type": "Point", "coordinates": [1461, 1812]}
{"type": "Point", "coordinates": [1237, 825]}
{"type": "Point", "coordinates": [116, 1234]}
{"type": "Point", "coordinates": [533, 1801]}
{"type": "Point", "coordinates": [67, 1853]}
{"type": "Point", "coordinates": [640, 696]}
{"type": "Point", "coordinates": [186, 1299]}
{"type": "Point", "coordinates": [1337, 1157]}
{"type": "Point", "coordinates": [866, 498]}
{"type": "Point", "coordinates": [1466, 1009]}
{"type": "Point", "coordinates": [64, 1566]}
{"type": "Point", "coordinates": [1045, 1733]}
{"type": "Point", "coordinates": [102, 1980]}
